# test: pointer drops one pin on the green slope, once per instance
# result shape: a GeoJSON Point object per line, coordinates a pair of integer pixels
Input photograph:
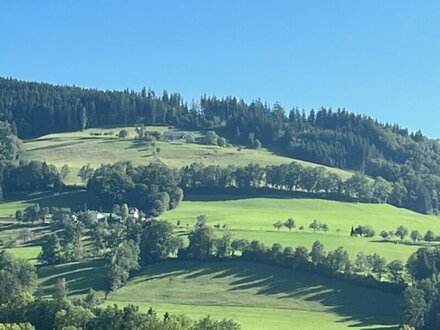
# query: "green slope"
{"type": "Point", "coordinates": [253, 218]}
{"type": "Point", "coordinates": [78, 148]}
{"type": "Point", "coordinates": [257, 296]}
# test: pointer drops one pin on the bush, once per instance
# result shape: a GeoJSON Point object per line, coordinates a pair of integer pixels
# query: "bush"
{"type": "Point", "coordinates": [429, 236]}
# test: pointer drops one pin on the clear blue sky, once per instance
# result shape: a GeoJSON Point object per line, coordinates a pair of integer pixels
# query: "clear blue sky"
{"type": "Point", "coordinates": [376, 57]}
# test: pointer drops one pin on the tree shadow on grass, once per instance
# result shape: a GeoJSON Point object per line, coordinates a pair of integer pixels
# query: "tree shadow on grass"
{"type": "Point", "coordinates": [59, 145]}
{"type": "Point", "coordinates": [232, 193]}
{"type": "Point", "coordinates": [418, 244]}
{"type": "Point", "coordinates": [71, 199]}
{"type": "Point", "coordinates": [80, 276]}
{"type": "Point", "coordinates": [363, 306]}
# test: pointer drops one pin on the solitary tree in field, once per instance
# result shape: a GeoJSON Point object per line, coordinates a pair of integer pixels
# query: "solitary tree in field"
{"type": "Point", "coordinates": [401, 232]}
{"type": "Point", "coordinates": [324, 227]}
{"type": "Point", "coordinates": [415, 236]}
{"type": "Point", "coordinates": [385, 235]}
{"type": "Point", "coordinates": [278, 224]}
{"type": "Point", "coordinates": [314, 225]}
{"type": "Point", "coordinates": [290, 223]}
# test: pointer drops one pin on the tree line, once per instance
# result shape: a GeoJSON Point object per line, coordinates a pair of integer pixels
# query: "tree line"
{"type": "Point", "coordinates": [289, 177]}
{"type": "Point", "coordinates": [335, 138]}
{"type": "Point", "coordinates": [156, 188]}
{"type": "Point", "coordinates": [28, 177]}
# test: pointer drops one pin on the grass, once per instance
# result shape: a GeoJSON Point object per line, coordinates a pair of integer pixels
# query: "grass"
{"type": "Point", "coordinates": [26, 252]}
{"type": "Point", "coordinates": [257, 296]}
{"type": "Point", "coordinates": [253, 218]}
{"type": "Point", "coordinates": [79, 148]}
{"type": "Point", "coordinates": [80, 277]}
{"type": "Point", "coordinates": [74, 200]}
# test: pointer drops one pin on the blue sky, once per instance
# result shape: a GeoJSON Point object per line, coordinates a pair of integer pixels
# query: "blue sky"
{"type": "Point", "coordinates": [376, 57]}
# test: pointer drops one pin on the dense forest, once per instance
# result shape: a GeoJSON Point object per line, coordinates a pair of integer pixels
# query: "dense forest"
{"type": "Point", "coordinates": [335, 138]}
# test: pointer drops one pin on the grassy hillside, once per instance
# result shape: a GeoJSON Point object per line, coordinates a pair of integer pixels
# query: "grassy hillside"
{"type": "Point", "coordinates": [253, 218]}
{"type": "Point", "coordinates": [78, 148]}
{"type": "Point", "coordinates": [257, 296]}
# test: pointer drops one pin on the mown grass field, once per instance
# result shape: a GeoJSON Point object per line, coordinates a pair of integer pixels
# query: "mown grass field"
{"type": "Point", "coordinates": [78, 148]}
{"type": "Point", "coordinates": [30, 252]}
{"type": "Point", "coordinates": [257, 296]}
{"type": "Point", "coordinates": [253, 218]}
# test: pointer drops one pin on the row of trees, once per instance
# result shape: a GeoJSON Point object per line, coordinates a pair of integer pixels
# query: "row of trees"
{"type": "Point", "coordinates": [336, 138]}
{"type": "Point", "coordinates": [402, 232]}
{"type": "Point", "coordinates": [155, 188]}
{"type": "Point", "coordinates": [368, 270]}
{"type": "Point", "coordinates": [291, 177]}
{"type": "Point", "coordinates": [29, 177]}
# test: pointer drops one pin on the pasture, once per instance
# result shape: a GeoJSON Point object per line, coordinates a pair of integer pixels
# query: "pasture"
{"type": "Point", "coordinates": [79, 148]}
{"type": "Point", "coordinates": [253, 218]}
{"type": "Point", "coordinates": [257, 296]}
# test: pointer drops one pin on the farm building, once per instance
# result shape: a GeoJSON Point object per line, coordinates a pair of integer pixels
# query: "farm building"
{"type": "Point", "coordinates": [172, 135]}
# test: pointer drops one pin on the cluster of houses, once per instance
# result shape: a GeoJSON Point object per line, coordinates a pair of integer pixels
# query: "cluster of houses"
{"type": "Point", "coordinates": [66, 216]}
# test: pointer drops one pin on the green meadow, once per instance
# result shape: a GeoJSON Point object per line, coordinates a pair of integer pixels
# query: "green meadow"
{"type": "Point", "coordinates": [257, 296]}
{"type": "Point", "coordinates": [78, 148]}
{"type": "Point", "coordinates": [253, 218]}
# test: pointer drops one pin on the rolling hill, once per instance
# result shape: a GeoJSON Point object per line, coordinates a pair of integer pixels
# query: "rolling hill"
{"type": "Point", "coordinates": [253, 218]}
{"type": "Point", "coordinates": [78, 148]}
